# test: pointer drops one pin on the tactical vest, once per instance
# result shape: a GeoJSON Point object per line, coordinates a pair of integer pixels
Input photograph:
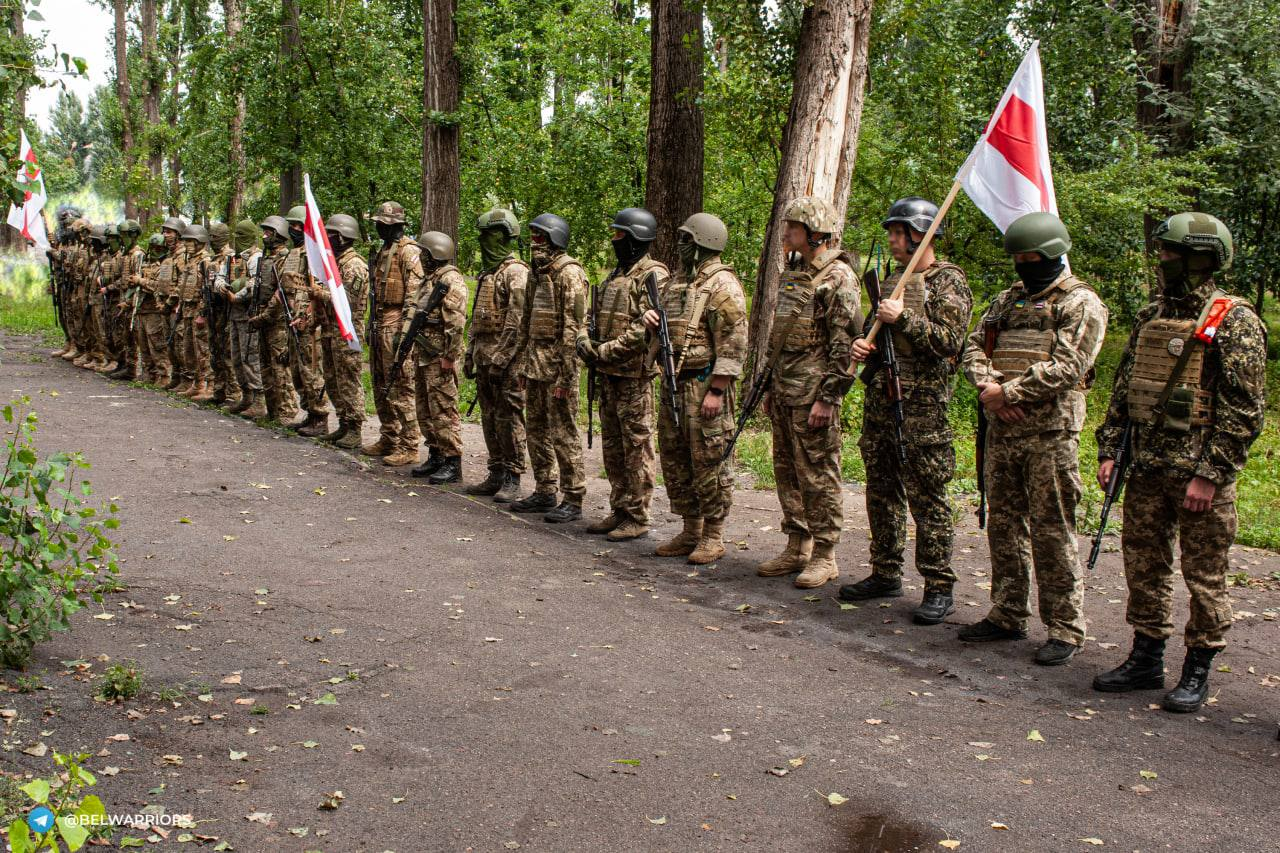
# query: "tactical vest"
{"type": "Point", "coordinates": [391, 278]}
{"type": "Point", "coordinates": [614, 316]}
{"type": "Point", "coordinates": [109, 270]}
{"type": "Point", "coordinates": [163, 281]}
{"type": "Point", "coordinates": [488, 315]}
{"type": "Point", "coordinates": [915, 296]}
{"type": "Point", "coordinates": [544, 308]}
{"type": "Point", "coordinates": [692, 341]}
{"type": "Point", "coordinates": [1026, 333]}
{"type": "Point", "coordinates": [295, 262]}
{"type": "Point", "coordinates": [793, 319]}
{"type": "Point", "coordinates": [430, 341]}
{"type": "Point", "coordinates": [191, 278]}
{"type": "Point", "coordinates": [1161, 342]}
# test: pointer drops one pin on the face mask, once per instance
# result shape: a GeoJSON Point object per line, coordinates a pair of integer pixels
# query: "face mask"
{"type": "Point", "coordinates": [338, 244]}
{"type": "Point", "coordinates": [541, 254]}
{"type": "Point", "coordinates": [628, 250]}
{"type": "Point", "coordinates": [1177, 276]}
{"type": "Point", "coordinates": [1037, 275]}
{"type": "Point", "coordinates": [218, 243]}
{"type": "Point", "coordinates": [493, 248]}
{"type": "Point", "coordinates": [388, 232]}
{"type": "Point", "coordinates": [688, 255]}
{"type": "Point", "coordinates": [296, 236]}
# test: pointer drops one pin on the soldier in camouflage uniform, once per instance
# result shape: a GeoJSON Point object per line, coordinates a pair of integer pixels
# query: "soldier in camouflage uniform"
{"type": "Point", "coordinates": [95, 334]}
{"type": "Point", "coordinates": [193, 328]}
{"type": "Point", "coordinates": [394, 276]}
{"type": "Point", "coordinates": [111, 291]}
{"type": "Point", "coordinates": [267, 315]}
{"type": "Point", "coordinates": [437, 349]}
{"type": "Point", "coordinates": [171, 231]}
{"type": "Point", "coordinates": [153, 311]}
{"type": "Point", "coordinates": [547, 367]}
{"type": "Point", "coordinates": [1191, 385]}
{"type": "Point", "coordinates": [308, 374]}
{"type": "Point", "coordinates": [59, 253]}
{"type": "Point", "coordinates": [342, 364]}
{"type": "Point", "coordinates": [707, 318]}
{"type": "Point", "coordinates": [223, 383]}
{"type": "Point", "coordinates": [624, 375]}
{"type": "Point", "coordinates": [240, 290]}
{"type": "Point", "coordinates": [128, 274]}
{"type": "Point", "coordinates": [76, 269]}
{"type": "Point", "coordinates": [928, 326]}
{"type": "Point", "coordinates": [495, 328]}
{"type": "Point", "coordinates": [1031, 359]}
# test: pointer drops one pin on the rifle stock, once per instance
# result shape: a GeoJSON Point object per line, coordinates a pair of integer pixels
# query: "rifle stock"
{"type": "Point", "coordinates": [1114, 485]}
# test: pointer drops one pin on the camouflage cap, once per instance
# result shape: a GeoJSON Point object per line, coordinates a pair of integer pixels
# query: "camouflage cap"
{"type": "Point", "coordinates": [389, 213]}
{"type": "Point", "coordinates": [502, 218]}
{"type": "Point", "coordinates": [1198, 232]}
{"type": "Point", "coordinates": [813, 213]}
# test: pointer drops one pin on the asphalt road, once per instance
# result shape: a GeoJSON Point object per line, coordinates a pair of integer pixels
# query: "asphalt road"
{"type": "Point", "coordinates": [498, 683]}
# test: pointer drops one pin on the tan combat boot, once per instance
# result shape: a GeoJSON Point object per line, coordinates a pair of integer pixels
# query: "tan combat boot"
{"type": "Point", "coordinates": [350, 438]}
{"type": "Point", "coordinates": [821, 568]}
{"type": "Point", "coordinates": [183, 387]}
{"type": "Point", "coordinates": [793, 558]}
{"type": "Point", "coordinates": [256, 408]}
{"type": "Point", "coordinates": [401, 456]}
{"type": "Point", "coordinates": [606, 524]}
{"type": "Point", "coordinates": [71, 354]}
{"type": "Point", "coordinates": [381, 447]}
{"type": "Point", "coordinates": [628, 529]}
{"type": "Point", "coordinates": [206, 394]}
{"type": "Point", "coordinates": [710, 545]}
{"type": "Point", "coordinates": [107, 367]}
{"type": "Point", "coordinates": [197, 388]}
{"type": "Point", "coordinates": [683, 542]}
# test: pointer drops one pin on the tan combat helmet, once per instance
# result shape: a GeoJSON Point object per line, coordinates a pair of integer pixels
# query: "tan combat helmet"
{"type": "Point", "coordinates": [500, 218]}
{"type": "Point", "coordinates": [707, 231]}
{"type": "Point", "coordinates": [438, 245]}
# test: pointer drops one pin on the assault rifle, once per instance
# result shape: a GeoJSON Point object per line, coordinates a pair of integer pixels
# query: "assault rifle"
{"type": "Point", "coordinates": [591, 368]}
{"type": "Point", "coordinates": [416, 325]}
{"type": "Point", "coordinates": [886, 359]}
{"type": "Point", "coordinates": [1115, 483]}
{"type": "Point", "coordinates": [666, 355]}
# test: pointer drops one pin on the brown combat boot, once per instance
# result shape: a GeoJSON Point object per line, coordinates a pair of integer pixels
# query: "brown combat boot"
{"type": "Point", "coordinates": [206, 394]}
{"type": "Point", "coordinates": [683, 542]}
{"type": "Point", "coordinates": [182, 387]}
{"type": "Point", "coordinates": [256, 408]}
{"type": "Point", "coordinates": [821, 568]}
{"type": "Point", "coordinates": [381, 447]}
{"type": "Point", "coordinates": [350, 438]}
{"type": "Point", "coordinates": [316, 425]}
{"type": "Point", "coordinates": [107, 366]}
{"type": "Point", "coordinates": [606, 524]}
{"type": "Point", "coordinates": [793, 559]}
{"type": "Point", "coordinates": [401, 456]}
{"type": "Point", "coordinates": [81, 359]}
{"type": "Point", "coordinates": [246, 399]}
{"type": "Point", "coordinates": [71, 353]}
{"type": "Point", "coordinates": [175, 381]}
{"type": "Point", "coordinates": [218, 395]}
{"type": "Point", "coordinates": [59, 353]}
{"type": "Point", "coordinates": [710, 545]}
{"type": "Point", "coordinates": [197, 388]}
{"type": "Point", "coordinates": [628, 529]}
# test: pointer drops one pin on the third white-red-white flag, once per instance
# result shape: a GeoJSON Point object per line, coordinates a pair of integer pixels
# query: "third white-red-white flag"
{"type": "Point", "coordinates": [324, 266]}
{"type": "Point", "coordinates": [1007, 173]}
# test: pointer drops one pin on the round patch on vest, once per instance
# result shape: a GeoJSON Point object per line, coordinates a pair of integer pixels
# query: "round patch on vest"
{"type": "Point", "coordinates": [1175, 346]}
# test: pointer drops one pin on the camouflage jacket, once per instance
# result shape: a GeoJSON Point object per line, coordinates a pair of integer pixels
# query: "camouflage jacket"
{"type": "Point", "coordinates": [718, 345]}
{"type": "Point", "coordinates": [1234, 372]}
{"type": "Point", "coordinates": [555, 359]}
{"type": "Point", "coordinates": [622, 299]}
{"type": "Point", "coordinates": [496, 314]}
{"type": "Point", "coordinates": [823, 369]}
{"type": "Point", "coordinates": [354, 271]}
{"type": "Point", "coordinates": [441, 337]}
{"type": "Point", "coordinates": [1051, 393]}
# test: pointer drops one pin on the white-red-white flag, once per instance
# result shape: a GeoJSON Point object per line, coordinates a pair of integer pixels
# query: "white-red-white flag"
{"type": "Point", "coordinates": [1007, 174]}
{"type": "Point", "coordinates": [27, 219]}
{"type": "Point", "coordinates": [324, 266]}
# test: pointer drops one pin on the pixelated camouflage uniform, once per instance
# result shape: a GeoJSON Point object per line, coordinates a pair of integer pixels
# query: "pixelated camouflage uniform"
{"type": "Point", "coordinates": [193, 337]}
{"type": "Point", "coordinates": [246, 342]}
{"type": "Point", "coordinates": [131, 264]}
{"type": "Point", "coordinates": [153, 314]}
{"type": "Point", "coordinates": [341, 364]}
{"type": "Point", "coordinates": [1032, 467]}
{"type": "Point", "coordinates": [1213, 443]}
{"type": "Point", "coordinates": [495, 332]}
{"type": "Point", "coordinates": [308, 376]}
{"type": "Point", "coordinates": [274, 343]}
{"type": "Point", "coordinates": [440, 340]}
{"type": "Point", "coordinates": [395, 277]}
{"type": "Point", "coordinates": [928, 338]}
{"type": "Point", "coordinates": [218, 326]}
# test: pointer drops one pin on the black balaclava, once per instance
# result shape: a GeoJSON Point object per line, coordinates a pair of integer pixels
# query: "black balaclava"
{"type": "Point", "coordinates": [389, 231]}
{"type": "Point", "coordinates": [296, 236]}
{"type": "Point", "coordinates": [1185, 273]}
{"type": "Point", "coordinates": [1037, 275]}
{"type": "Point", "coordinates": [629, 250]}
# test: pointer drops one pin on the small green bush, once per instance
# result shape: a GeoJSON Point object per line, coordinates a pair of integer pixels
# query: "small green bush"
{"type": "Point", "coordinates": [121, 681]}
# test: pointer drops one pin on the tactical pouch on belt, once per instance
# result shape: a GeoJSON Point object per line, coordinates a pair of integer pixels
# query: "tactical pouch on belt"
{"type": "Point", "coordinates": [1177, 411]}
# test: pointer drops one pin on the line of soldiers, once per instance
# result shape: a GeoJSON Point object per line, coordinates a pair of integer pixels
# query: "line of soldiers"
{"type": "Point", "coordinates": [211, 314]}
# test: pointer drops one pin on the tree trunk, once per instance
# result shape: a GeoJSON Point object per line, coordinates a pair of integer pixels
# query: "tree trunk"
{"type": "Point", "coordinates": [175, 97]}
{"type": "Point", "coordinates": [441, 179]}
{"type": "Point", "coordinates": [820, 138]}
{"type": "Point", "coordinates": [123, 94]}
{"type": "Point", "coordinates": [1162, 32]}
{"type": "Point", "coordinates": [151, 104]}
{"type": "Point", "coordinates": [234, 14]}
{"type": "Point", "coordinates": [17, 25]}
{"type": "Point", "coordinates": [673, 188]}
{"type": "Point", "coordinates": [290, 47]}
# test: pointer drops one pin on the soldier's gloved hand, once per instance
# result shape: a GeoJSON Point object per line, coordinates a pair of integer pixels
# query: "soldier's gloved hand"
{"type": "Point", "coordinates": [587, 350]}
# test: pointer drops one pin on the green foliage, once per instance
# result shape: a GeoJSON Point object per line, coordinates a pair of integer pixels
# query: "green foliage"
{"type": "Point", "coordinates": [77, 816]}
{"type": "Point", "coordinates": [59, 552]}
{"type": "Point", "coordinates": [121, 681]}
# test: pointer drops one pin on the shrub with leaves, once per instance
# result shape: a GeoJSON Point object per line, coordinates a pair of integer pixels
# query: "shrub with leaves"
{"type": "Point", "coordinates": [76, 816]}
{"type": "Point", "coordinates": [58, 555]}
{"type": "Point", "coordinates": [121, 681]}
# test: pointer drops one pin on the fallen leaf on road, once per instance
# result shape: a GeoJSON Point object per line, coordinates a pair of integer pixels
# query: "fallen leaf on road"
{"type": "Point", "coordinates": [38, 750]}
{"type": "Point", "coordinates": [331, 801]}
{"type": "Point", "coordinates": [1035, 735]}
{"type": "Point", "coordinates": [326, 699]}
{"type": "Point", "coordinates": [949, 843]}
{"type": "Point", "coordinates": [999, 826]}
{"type": "Point", "coordinates": [981, 744]}
{"type": "Point", "coordinates": [493, 639]}
{"type": "Point", "coordinates": [834, 799]}
{"type": "Point", "coordinates": [658, 821]}
{"type": "Point", "coordinates": [1148, 774]}
{"type": "Point", "coordinates": [184, 520]}
{"type": "Point", "coordinates": [183, 627]}
{"type": "Point", "coordinates": [109, 771]}
{"type": "Point", "coordinates": [238, 756]}
{"type": "Point", "coordinates": [263, 818]}
{"type": "Point", "coordinates": [233, 678]}
{"type": "Point", "coordinates": [873, 722]}
{"type": "Point", "coordinates": [1096, 842]}
{"type": "Point", "coordinates": [119, 737]}
{"type": "Point", "coordinates": [104, 616]}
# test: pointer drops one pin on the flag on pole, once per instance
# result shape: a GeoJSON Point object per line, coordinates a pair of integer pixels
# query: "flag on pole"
{"type": "Point", "coordinates": [27, 219]}
{"type": "Point", "coordinates": [1007, 174]}
{"type": "Point", "coordinates": [324, 266]}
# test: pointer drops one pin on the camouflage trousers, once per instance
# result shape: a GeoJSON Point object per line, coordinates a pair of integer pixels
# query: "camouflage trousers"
{"type": "Point", "coordinates": [221, 366]}
{"type": "Point", "coordinates": [153, 345]}
{"type": "Point", "coordinates": [698, 484]}
{"type": "Point", "coordinates": [117, 331]}
{"type": "Point", "coordinates": [245, 356]}
{"type": "Point", "coordinates": [555, 448]}
{"type": "Point", "coordinates": [626, 440]}
{"type": "Point", "coordinates": [308, 375]}
{"type": "Point", "coordinates": [1153, 519]}
{"type": "Point", "coordinates": [396, 410]}
{"type": "Point", "coordinates": [806, 468]}
{"type": "Point", "coordinates": [437, 401]}
{"type": "Point", "coordinates": [193, 338]}
{"type": "Point", "coordinates": [277, 384]}
{"type": "Point", "coordinates": [921, 486]}
{"type": "Point", "coordinates": [502, 418]}
{"type": "Point", "coordinates": [95, 337]}
{"type": "Point", "coordinates": [342, 367]}
{"type": "Point", "coordinates": [1033, 486]}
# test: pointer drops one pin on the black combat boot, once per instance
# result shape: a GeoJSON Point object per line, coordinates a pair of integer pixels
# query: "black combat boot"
{"type": "Point", "coordinates": [564, 513]}
{"type": "Point", "coordinates": [536, 502]}
{"type": "Point", "coordinates": [1056, 652]}
{"type": "Point", "coordinates": [1193, 687]}
{"type": "Point", "coordinates": [986, 631]}
{"type": "Point", "coordinates": [510, 490]}
{"type": "Point", "coordinates": [1142, 670]}
{"type": "Point", "coordinates": [449, 471]}
{"type": "Point", "coordinates": [426, 469]}
{"type": "Point", "coordinates": [937, 605]}
{"type": "Point", "coordinates": [489, 486]}
{"type": "Point", "coordinates": [872, 586]}
{"type": "Point", "coordinates": [316, 425]}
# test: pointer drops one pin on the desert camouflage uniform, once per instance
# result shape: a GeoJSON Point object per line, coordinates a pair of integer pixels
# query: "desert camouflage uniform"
{"type": "Point", "coordinates": [153, 315]}
{"type": "Point", "coordinates": [308, 377]}
{"type": "Point", "coordinates": [712, 344]}
{"type": "Point", "coordinates": [274, 344]}
{"type": "Point", "coordinates": [1044, 360]}
{"type": "Point", "coordinates": [495, 331]}
{"type": "Point", "coordinates": [218, 327]}
{"type": "Point", "coordinates": [342, 364]}
{"type": "Point", "coordinates": [624, 377]}
{"type": "Point", "coordinates": [1227, 419]}
{"type": "Point", "coordinates": [394, 279]}
{"type": "Point", "coordinates": [245, 340]}
{"type": "Point", "coordinates": [817, 320]}
{"type": "Point", "coordinates": [440, 340]}
{"type": "Point", "coordinates": [99, 346]}
{"type": "Point", "coordinates": [928, 338]}
{"type": "Point", "coordinates": [113, 330]}
{"type": "Point", "coordinates": [555, 304]}
{"type": "Point", "coordinates": [130, 272]}
{"type": "Point", "coordinates": [194, 336]}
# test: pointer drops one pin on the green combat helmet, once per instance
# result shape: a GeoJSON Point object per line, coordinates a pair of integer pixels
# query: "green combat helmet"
{"type": "Point", "coordinates": [1037, 232]}
{"type": "Point", "coordinates": [219, 234]}
{"type": "Point", "coordinates": [155, 245]}
{"type": "Point", "coordinates": [500, 218]}
{"type": "Point", "coordinates": [389, 213]}
{"type": "Point", "coordinates": [345, 226]}
{"type": "Point", "coordinates": [438, 245]}
{"type": "Point", "coordinates": [706, 231]}
{"type": "Point", "coordinates": [297, 214]}
{"type": "Point", "coordinates": [1198, 232]}
{"type": "Point", "coordinates": [129, 228]}
{"type": "Point", "coordinates": [813, 213]}
{"type": "Point", "coordinates": [112, 233]}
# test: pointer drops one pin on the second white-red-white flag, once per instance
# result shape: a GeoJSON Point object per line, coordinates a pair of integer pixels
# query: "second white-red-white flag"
{"type": "Point", "coordinates": [324, 266]}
